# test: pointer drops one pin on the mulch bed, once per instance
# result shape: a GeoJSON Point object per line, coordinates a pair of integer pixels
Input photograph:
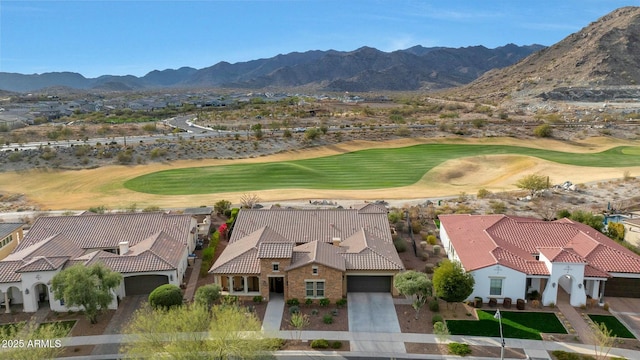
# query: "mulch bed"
{"type": "Point", "coordinates": [299, 345]}
{"type": "Point", "coordinates": [476, 350]}
{"type": "Point", "coordinates": [340, 322]}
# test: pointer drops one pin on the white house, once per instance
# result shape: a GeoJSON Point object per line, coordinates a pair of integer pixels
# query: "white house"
{"type": "Point", "coordinates": [511, 257]}
{"type": "Point", "coordinates": [148, 249]}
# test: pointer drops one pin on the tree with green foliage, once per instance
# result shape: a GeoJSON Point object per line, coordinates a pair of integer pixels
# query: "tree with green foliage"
{"type": "Point", "coordinates": [588, 218]}
{"type": "Point", "coordinates": [533, 183]}
{"type": "Point", "coordinates": [191, 331]}
{"type": "Point", "coordinates": [24, 336]}
{"type": "Point", "coordinates": [615, 231]}
{"type": "Point", "coordinates": [451, 283]}
{"type": "Point", "coordinates": [415, 284]}
{"type": "Point", "coordinates": [90, 287]}
{"type": "Point", "coordinates": [543, 131]}
{"type": "Point", "coordinates": [221, 206]}
{"type": "Point", "coordinates": [207, 295]}
{"type": "Point", "coordinates": [165, 296]}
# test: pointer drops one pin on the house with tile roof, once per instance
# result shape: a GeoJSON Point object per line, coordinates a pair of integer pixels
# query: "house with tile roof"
{"type": "Point", "coordinates": [308, 254]}
{"type": "Point", "coordinates": [511, 257]}
{"type": "Point", "coordinates": [148, 249]}
{"type": "Point", "coordinates": [10, 236]}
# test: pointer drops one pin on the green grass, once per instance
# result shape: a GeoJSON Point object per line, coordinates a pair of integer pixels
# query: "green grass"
{"type": "Point", "coordinates": [391, 167]}
{"type": "Point", "coordinates": [518, 325]}
{"type": "Point", "coordinates": [613, 324]}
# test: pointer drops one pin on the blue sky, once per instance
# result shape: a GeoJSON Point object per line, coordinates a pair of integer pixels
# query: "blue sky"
{"type": "Point", "coordinates": [122, 37]}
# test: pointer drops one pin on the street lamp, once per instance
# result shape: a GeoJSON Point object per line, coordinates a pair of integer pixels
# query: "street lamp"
{"type": "Point", "coordinates": [499, 317]}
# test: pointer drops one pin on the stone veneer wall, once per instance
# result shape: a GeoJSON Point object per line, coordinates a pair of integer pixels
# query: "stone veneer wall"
{"type": "Point", "coordinates": [333, 282]}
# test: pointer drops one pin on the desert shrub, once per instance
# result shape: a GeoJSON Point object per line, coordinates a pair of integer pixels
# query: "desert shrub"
{"type": "Point", "coordinates": [311, 134]}
{"type": "Point", "coordinates": [459, 349]}
{"type": "Point", "coordinates": [394, 216]}
{"type": "Point", "coordinates": [416, 227]}
{"type": "Point", "coordinates": [429, 268]}
{"type": "Point", "coordinates": [294, 309]}
{"type": "Point", "coordinates": [293, 302]}
{"type": "Point", "coordinates": [543, 131]}
{"type": "Point", "coordinates": [400, 244]}
{"type": "Point", "coordinates": [324, 302]}
{"type": "Point", "coordinates": [327, 319]}
{"type": "Point", "coordinates": [207, 295]}
{"type": "Point", "coordinates": [165, 296]}
{"type": "Point", "coordinates": [434, 305]}
{"type": "Point", "coordinates": [257, 299]}
{"type": "Point", "coordinates": [483, 193]}
{"type": "Point", "coordinates": [336, 344]}
{"type": "Point", "coordinates": [314, 312]}
{"type": "Point", "coordinates": [320, 344]}
{"type": "Point", "coordinates": [498, 207]}
{"type": "Point", "coordinates": [341, 302]}
{"type": "Point", "coordinates": [432, 239]}
{"type": "Point", "coordinates": [563, 355]}
{"type": "Point", "coordinates": [436, 318]}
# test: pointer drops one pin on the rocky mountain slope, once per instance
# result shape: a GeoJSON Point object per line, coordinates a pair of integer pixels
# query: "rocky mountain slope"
{"type": "Point", "coordinates": [601, 61]}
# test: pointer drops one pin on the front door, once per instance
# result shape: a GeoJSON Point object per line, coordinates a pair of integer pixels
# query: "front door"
{"type": "Point", "coordinates": [276, 285]}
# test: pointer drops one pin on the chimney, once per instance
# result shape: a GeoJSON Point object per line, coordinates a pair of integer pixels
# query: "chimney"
{"type": "Point", "coordinates": [124, 247]}
{"type": "Point", "coordinates": [336, 241]}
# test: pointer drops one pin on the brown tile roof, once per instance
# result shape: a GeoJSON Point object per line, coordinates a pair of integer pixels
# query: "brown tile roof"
{"type": "Point", "coordinates": [317, 253]}
{"type": "Point", "coordinates": [476, 237]}
{"type": "Point", "coordinates": [7, 229]}
{"type": "Point", "coordinates": [157, 242]}
{"type": "Point", "coordinates": [301, 226]}
{"type": "Point", "coordinates": [262, 233]}
{"type": "Point", "coordinates": [107, 230]}
{"type": "Point", "coordinates": [275, 250]}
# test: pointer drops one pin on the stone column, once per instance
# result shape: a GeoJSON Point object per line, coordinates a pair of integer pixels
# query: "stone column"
{"type": "Point", "coordinates": [6, 302]}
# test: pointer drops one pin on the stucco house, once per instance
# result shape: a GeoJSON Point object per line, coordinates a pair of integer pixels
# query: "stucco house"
{"type": "Point", "coordinates": [512, 256]}
{"type": "Point", "coordinates": [148, 249]}
{"type": "Point", "coordinates": [308, 254]}
{"type": "Point", "coordinates": [10, 236]}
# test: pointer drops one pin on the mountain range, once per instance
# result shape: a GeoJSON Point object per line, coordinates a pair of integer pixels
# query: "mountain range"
{"type": "Point", "coordinates": [364, 69]}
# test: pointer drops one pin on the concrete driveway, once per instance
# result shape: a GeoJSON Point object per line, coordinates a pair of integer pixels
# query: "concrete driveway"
{"type": "Point", "coordinates": [627, 310]}
{"type": "Point", "coordinates": [372, 312]}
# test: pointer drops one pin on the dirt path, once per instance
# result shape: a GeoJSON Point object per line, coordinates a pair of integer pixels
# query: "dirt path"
{"type": "Point", "coordinates": [82, 189]}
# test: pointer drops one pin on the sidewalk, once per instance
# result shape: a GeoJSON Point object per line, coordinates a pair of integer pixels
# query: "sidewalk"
{"type": "Point", "coordinates": [530, 346]}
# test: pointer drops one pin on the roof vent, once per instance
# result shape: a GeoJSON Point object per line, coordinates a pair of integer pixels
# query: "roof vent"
{"type": "Point", "coordinates": [336, 241]}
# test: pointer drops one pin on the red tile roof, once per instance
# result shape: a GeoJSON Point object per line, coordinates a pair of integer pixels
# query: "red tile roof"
{"type": "Point", "coordinates": [477, 238]}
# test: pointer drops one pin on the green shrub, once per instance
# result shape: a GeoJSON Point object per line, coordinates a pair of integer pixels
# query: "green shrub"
{"type": "Point", "coordinates": [434, 305]}
{"type": "Point", "coordinates": [257, 299]}
{"type": "Point", "coordinates": [341, 302]}
{"type": "Point", "coordinates": [207, 295]}
{"type": "Point", "coordinates": [336, 344]}
{"type": "Point", "coordinates": [400, 244]}
{"type": "Point", "coordinates": [416, 227]}
{"type": "Point", "coordinates": [324, 302]}
{"type": "Point", "coordinates": [563, 355]}
{"type": "Point", "coordinates": [294, 309]}
{"type": "Point", "coordinates": [320, 344]}
{"type": "Point", "coordinates": [230, 299]}
{"type": "Point", "coordinates": [308, 302]}
{"type": "Point", "coordinates": [432, 239]}
{"type": "Point", "coordinates": [436, 318]}
{"type": "Point", "coordinates": [436, 250]}
{"type": "Point", "coordinates": [459, 349]}
{"type": "Point", "coordinates": [165, 296]}
{"type": "Point", "coordinates": [543, 131]}
{"type": "Point", "coordinates": [314, 312]}
{"type": "Point", "coordinates": [293, 302]}
{"type": "Point", "coordinates": [327, 319]}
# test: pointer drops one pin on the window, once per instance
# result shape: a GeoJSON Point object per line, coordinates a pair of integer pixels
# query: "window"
{"type": "Point", "coordinates": [276, 267]}
{"type": "Point", "coordinates": [314, 270]}
{"type": "Point", "coordinates": [495, 288]}
{"type": "Point", "coordinates": [6, 241]}
{"type": "Point", "coordinates": [314, 289]}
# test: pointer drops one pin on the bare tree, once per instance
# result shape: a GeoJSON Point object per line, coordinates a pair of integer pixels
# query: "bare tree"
{"type": "Point", "coordinates": [603, 341]}
{"type": "Point", "coordinates": [249, 200]}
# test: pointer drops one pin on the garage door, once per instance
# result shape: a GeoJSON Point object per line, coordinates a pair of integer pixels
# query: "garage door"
{"type": "Point", "coordinates": [143, 284]}
{"type": "Point", "coordinates": [622, 287]}
{"type": "Point", "coordinates": [369, 283]}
